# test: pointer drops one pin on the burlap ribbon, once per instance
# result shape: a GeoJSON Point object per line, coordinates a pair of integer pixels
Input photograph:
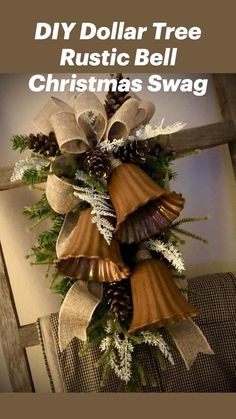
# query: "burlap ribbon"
{"type": "Point", "coordinates": [77, 129]}
{"type": "Point", "coordinates": [77, 310]}
{"type": "Point", "coordinates": [189, 340]}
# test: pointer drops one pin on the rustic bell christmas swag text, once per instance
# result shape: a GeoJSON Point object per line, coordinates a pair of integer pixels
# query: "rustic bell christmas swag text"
{"type": "Point", "coordinates": [112, 249]}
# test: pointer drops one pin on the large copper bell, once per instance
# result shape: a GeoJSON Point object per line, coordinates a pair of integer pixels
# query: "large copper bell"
{"type": "Point", "coordinates": [142, 208]}
{"type": "Point", "coordinates": [156, 298]}
{"type": "Point", "coordinates": [83, 253]}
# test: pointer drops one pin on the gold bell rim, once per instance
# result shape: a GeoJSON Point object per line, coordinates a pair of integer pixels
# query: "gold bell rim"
{"type": "Point", "coordinates": [136, 207]}
{"type": "Point", "coordinates": [122, 271]}
{"type": "Point", "coordinates": [168, 320]}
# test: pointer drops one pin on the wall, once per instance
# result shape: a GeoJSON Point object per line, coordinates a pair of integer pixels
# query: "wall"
{"type": "Point", "coordinates": [206, 181]}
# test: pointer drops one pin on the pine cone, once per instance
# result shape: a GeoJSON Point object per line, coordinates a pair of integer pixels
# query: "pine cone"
{"type": "Point", "coordinates": [97, 163]}
{"type": "Point", "coordinates": [43, 144]}
{"type": "Point", "coordinates": [114, 100]}
{"type": "Point", "coordinates": [133, 152]}
{"type": "Point", "coordinates": [119, 301]}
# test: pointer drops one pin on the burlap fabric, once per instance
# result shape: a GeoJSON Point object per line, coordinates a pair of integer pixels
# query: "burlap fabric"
{"type": "Point", "coordinates": [214, 295]}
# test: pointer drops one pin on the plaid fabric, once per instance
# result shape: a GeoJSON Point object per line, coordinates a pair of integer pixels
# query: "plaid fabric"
{"type": "Point", "coordinates": [215, 296]}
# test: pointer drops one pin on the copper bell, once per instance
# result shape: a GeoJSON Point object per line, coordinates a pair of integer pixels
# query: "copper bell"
{"type": "Point", "coordinates": [142, 208]}
{"type": "Point", "coordinates": [156, 298]}
{"type": "Point", "coordinates": [83, 253]}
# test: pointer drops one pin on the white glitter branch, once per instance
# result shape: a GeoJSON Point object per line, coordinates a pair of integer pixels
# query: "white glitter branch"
{"type": "Point", "coordinates": [120, 353]}
{"type": "Point", "coordinates": [120, 350]}
{"type": "Point", "coordinates": [32, 162]}
{"type": "Point", "coordinates": [113, 145]}
{"type": "Point", "coordinates": [155, 339]}
{"type": "Point", "coordinates": [144, 132]}
{"type": "Point", "coordinates": [169, 251]}
{"type": "Point", "coordinates": [101, 208]}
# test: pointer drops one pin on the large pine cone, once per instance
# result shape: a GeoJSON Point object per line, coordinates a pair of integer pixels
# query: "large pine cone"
{"type": "Point", "coordinates": [114, 100]}
{"type": "Point", "coordinates": [43, 144]}
{"type": "Point", "coordinates": [97, 163]}
{"type": "Point", "coordinates": [118, 295]}
{"type": "Point", "coordinates": [134, 152]}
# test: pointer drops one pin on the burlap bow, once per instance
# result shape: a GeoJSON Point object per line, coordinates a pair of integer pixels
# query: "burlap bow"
{"type": "Point", "coordinates": [77, 129]}
{"type": "Point", "coordinates": [80, 128]}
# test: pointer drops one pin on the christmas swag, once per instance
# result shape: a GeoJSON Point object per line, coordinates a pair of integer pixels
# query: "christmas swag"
{"type": "Point", "coordinates": [112, 249]}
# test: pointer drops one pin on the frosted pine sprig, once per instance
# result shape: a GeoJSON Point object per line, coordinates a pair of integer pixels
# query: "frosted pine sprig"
{"type": "Point", "coordinates": [31, 162]}
{"type": "Point", "coordinates": [119, 351]}
{"type": "Point", "coordinates": [118, 348]}
{"type": "Point", "coordinates": [101, 208]}
{"type": "Point", "coordinates": [169, 251]}
{"type": "Point", "coordinates": [90, 180]}
{"type": "Point", "coordinates": [123, 362]}
{"type": "Point", "coordinates": [112, 146]}
{"type": "Point", "coordinates": [155, 339]}
{"type": "Point", "coordinates": [144, 132]}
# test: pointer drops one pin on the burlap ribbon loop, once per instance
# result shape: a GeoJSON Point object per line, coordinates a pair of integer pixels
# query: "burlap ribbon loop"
{"type": "Point", "coordinates": [70, 137]}
{"type": "Point", "coordinates": [52, 106]}
{"type": "Point", "coordinates": [60, 195]}
{"type": "Point", "coordinates": [131, 114]}
{"type": "Point", "coordinates": [90, 115]}
{"type": "Point", "coordinates": [77, 310]}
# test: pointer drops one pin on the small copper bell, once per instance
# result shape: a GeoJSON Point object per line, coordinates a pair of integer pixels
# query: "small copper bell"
{"type": "Point", "coordinates": [142, 208]}
{"type": "Point", "coordinates": [83, 253]}
{"type": "Point", "coordinates": [156, 298]}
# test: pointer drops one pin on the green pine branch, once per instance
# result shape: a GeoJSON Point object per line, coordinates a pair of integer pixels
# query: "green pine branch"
{"type": "Point", "coordinates": [32, 176]}
{"type": "Point", "coordinates": [190, 220]}
{"type": "Point", "coordinates": [40, 210]}
{"type": "Point", "coordinates": [158, 356]}
{"type": "Point", "coordinates": [88, 180]}
{"type": "Point", "coordinates": [176, 238]}
{"type": "Point", "coordinates": [19, 142]}
{"type": "Point", "coordinates": [159, 168]}
{"type": "Point", "coordinates": [189, 234]}
{"type": "Point", "coordinates": [44, 250]}
{"type": "Point", "coordinates": [62, 286]}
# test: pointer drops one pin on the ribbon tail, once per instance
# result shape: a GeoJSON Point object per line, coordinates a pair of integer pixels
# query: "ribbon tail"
{"type": "Point", "coordinates": [77, 310]}
{"type": "Point", "coordinates": [189, 340]}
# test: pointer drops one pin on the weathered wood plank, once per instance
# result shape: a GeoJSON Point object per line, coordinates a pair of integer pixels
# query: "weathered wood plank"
{"type": "Point", "coordinates": [29, 335]}
{"type": "Point", "coordinates": [15, 356]}
{"type": "Point", "coordinates": [203, 137]}
{"type": "Point", "coordinates": [183, 142]}
{"type": "Point", "coordinates": [226, 90]}
{"type": "Point", "coordinates": [5, 182]}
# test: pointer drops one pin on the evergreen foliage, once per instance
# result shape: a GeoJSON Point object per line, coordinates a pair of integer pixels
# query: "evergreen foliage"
{"type": "Point", "coordinates": [19, 142]}
{"type": "Point", "coordinates": [32, 176]}
{"type": "Point", "coordinates": [40, 210]}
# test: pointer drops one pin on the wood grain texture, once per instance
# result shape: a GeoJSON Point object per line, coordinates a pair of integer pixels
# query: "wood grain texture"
{"type": "Point", "coordinates": [15, 356]}
{"type": "Point", "coordinates": [5, 182]}
{"type": "Point", "coordinates": [29, 335]}
{"type": "Point", "coordinates": [201, 138]}
{"type": "Point", "coordinates": [184, 141]}
{"type": "Point", "coordinates": [226, 91]}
